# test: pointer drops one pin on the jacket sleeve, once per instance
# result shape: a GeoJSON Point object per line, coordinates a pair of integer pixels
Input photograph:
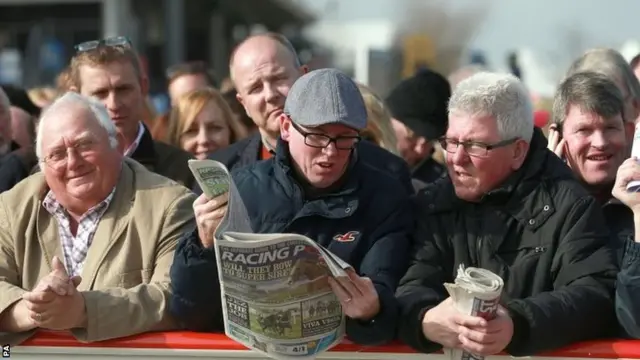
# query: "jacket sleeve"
{"type": "Point", "coordinates": [384, 264]}
{"type": "Point", "coordinates": [196, 302]}
{"type": "Point", "coordinates": [422, 286]}
{"type": "Point", "coordinates": [10, 278]}
{"type": "Point", "coordinates": [628, 290]}
{"type": "Point", "coordinates": [581, 306]}
{"type": "Point", "coordinates": [118, 312]}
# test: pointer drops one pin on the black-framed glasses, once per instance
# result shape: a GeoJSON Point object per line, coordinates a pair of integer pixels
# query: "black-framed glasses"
{"type": "Point", "coordinates": [473, 148]}
{"type": "Point", "coordinates": [321, 141]}
{"type": "Point", "coordinates": [121, 41]}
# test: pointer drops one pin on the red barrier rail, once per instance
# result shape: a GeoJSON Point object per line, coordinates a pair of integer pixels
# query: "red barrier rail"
{"type": "Point", "coordinates": [605, 349]}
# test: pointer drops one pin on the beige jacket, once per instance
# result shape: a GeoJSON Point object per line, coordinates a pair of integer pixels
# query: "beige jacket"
{"type": "Point", "coordinates": [125, 279]}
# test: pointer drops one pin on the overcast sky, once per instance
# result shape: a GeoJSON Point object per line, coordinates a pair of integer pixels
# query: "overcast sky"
{"type": "Point", "coordinates": [537, 24]}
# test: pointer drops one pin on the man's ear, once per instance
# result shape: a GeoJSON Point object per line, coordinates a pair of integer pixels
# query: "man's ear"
{"type": "Point", "coordinates": [285, 127]}
{"type": "Point", "coordinates": [241, 101]}
{"type": "Point", "coordinates": [304, 69]}
{"type": "Point", "coordinates": [521, 149]}
{"type": "Point", "coordinates": [74, 88]}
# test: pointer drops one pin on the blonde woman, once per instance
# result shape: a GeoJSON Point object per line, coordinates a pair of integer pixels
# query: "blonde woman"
{"type": "Point", "coordinates": [201, 122]}
{"type": "Point", "coordinates": [379, 129]}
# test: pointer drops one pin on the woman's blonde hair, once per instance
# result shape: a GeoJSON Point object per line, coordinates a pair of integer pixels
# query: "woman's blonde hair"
{"type": "Point", "coordinates": [42, 96]}
{"type": "Point", "coordinates": [379, 129]}
{"type": "Point", "coordinates": [187, 108]}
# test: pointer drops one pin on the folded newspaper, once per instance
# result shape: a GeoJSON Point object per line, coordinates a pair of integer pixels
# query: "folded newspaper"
{"type": "Point", "coordinates": [475, 292]}
{"type": "Point", "coordinates": [275, 295]}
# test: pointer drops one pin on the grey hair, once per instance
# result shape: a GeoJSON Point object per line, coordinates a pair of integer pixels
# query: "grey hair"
{"type": "Point", "coordinates": [501, 96]}
{"type": "Point", "coordinates": [590, 91]}
{"type": "Point", "coordinates": [98, 110]}
{"type": "Point", "coordinates": [611, 64]}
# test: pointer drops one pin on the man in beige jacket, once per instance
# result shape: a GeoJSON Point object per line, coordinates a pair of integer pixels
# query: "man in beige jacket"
{"type": "Point", "coordinates": [86, 244]}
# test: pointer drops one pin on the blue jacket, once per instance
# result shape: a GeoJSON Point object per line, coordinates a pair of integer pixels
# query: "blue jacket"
{"type": "Point", "coordinates": [371, 206]}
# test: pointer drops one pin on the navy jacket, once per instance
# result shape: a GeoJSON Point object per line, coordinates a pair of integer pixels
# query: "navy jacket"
{"type": "Point", "coordinates": [371, 205]}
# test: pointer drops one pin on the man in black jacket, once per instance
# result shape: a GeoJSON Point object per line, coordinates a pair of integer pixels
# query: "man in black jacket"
{"type": "Point", "coordinates": [590, 132]}
{"type": "Point", "coordinates": [316, 185]}
{"type": "Point", "coordinates": [110, 71]}
{"type": "Point", "coordinates": [263, 68]}
{"type": "Point", "coordinates": [512, 207]}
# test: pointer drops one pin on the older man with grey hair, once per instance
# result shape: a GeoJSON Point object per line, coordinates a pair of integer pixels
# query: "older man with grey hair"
{"type": "Point", "coordinates": [15, 162]}
{"type": "Point", "coordinates": [512, 207]}
{"type": "Point", "coordinates": [87, 242]}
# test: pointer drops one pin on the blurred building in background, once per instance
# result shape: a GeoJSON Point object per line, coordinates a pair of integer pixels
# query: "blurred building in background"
{"type": "Point", "coordinates": [37, 36]}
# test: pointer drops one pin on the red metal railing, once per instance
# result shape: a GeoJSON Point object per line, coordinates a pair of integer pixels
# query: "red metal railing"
{"type": "Point", "coordinates": [604, 349]}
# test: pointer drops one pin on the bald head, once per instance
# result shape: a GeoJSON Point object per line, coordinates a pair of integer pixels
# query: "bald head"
{"type": "Point", "coordinates": [272, 44]}
{"type": "Point", "coordinates": [263, 68]}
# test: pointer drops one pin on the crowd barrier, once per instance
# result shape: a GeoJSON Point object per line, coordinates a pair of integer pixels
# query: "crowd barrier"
{"type": "Point", "coordinates": [50, 345]}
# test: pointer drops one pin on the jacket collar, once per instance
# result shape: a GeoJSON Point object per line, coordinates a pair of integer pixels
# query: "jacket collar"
{"type": "Point", "coordinates": [145, 153]}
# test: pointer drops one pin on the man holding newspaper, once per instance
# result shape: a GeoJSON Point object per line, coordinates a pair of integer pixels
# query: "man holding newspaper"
{"type": "Point", "coordinates": [511, 207]}
{"type": "Point", "coordinates": [315, 186]}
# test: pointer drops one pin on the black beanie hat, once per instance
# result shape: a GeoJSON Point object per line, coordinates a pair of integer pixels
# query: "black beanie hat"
{"type": "Point", "coordinates": [420, 102]}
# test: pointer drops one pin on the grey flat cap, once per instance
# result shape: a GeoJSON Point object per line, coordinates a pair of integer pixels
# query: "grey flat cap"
{"type": "Point", "coordinates": [326, 96]}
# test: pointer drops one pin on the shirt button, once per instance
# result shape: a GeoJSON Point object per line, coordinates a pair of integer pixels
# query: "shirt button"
{"type": "Point", "coordinates": [531, 222]}
{"type": "Point", "coordinates": [347, 210]}
{"type": "Point", "coordinates": [545, 208]}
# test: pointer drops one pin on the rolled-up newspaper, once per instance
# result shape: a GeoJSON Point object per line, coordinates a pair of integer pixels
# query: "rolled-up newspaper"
{"type": "Point", "coordinates": [475, 292]}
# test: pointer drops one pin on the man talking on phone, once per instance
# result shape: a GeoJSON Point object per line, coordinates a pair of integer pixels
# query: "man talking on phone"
{"type": "Point", "coordinates": [590, 133]}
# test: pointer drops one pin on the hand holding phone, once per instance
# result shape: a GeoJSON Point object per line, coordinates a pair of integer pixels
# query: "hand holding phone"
{"type": "Point", "coordinates": [555, 141]}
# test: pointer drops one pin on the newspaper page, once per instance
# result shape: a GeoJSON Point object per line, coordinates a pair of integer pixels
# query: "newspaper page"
{"type": "Point", "coordinates": [277, 296]}
{"type": "Point", "coordinates": [214, 180]}
{"type": "Point", "coordinates": [275, 293]}
{"type": "Point", "coordinates": [475, 292]}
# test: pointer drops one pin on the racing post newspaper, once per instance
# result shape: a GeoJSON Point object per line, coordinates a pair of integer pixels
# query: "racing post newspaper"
{"type": "Point", "coordinates": [475, 292]}
{"type": "Point", "coordinates": [275, 295]}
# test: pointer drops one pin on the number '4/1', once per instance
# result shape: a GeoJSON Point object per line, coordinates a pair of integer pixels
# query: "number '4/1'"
{"type": "Point", "coordinates": [6, 351]}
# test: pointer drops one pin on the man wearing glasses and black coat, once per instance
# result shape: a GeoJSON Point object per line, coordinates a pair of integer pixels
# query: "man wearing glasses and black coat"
{"type": "Point", "coordinates": [510, 206]}
{"type": "Point", "coordinates": [315, 185]}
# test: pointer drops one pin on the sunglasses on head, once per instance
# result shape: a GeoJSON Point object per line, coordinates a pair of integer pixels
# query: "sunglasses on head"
{"type": "Point", "coordinates": [116, 41]}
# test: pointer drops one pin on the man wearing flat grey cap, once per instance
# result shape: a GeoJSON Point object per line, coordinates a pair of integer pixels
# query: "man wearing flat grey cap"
{"type": "Point", "coordinates": [316, 186]}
